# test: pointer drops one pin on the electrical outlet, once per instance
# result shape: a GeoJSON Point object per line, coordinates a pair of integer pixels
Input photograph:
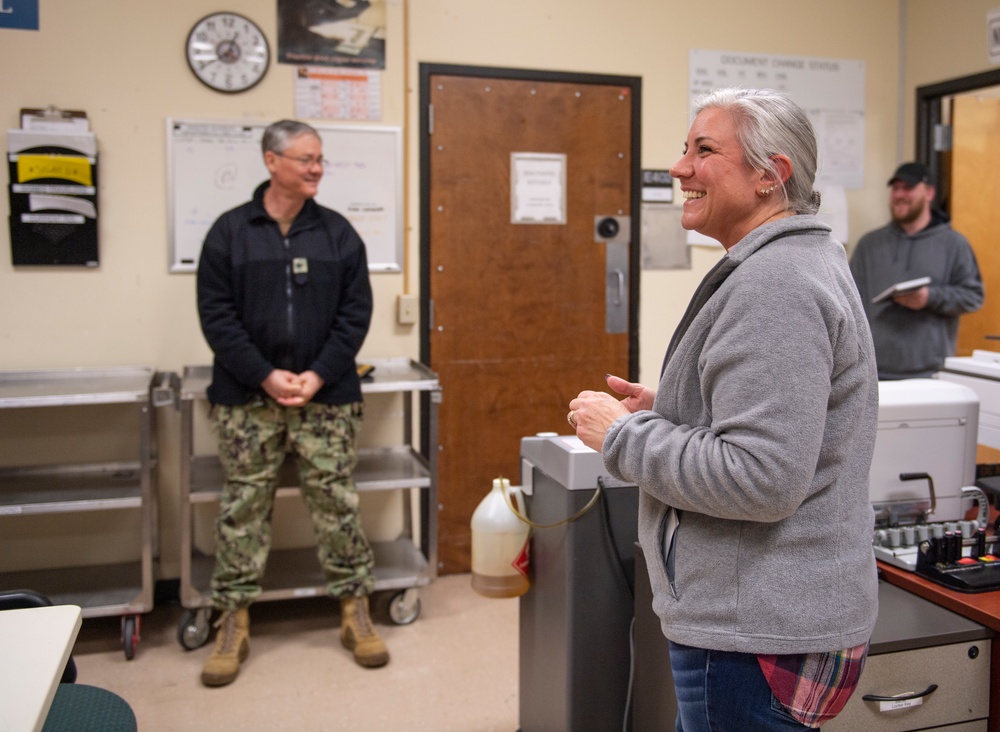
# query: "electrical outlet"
{"type": "Point", "coordinates": [406, 310]}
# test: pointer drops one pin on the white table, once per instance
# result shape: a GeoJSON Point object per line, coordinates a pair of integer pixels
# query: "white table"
{"type": "Point", "coordinates": [35, 645]}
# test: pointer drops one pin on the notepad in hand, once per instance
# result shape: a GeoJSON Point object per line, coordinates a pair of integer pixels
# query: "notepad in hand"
{"type": "Point", "coordinates": [902, 288]}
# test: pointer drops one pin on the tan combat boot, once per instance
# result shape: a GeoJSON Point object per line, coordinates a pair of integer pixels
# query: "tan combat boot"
{"type": "Point", "coordinates": [357, 633]}
{"type": "Point", "coordinates": [232, 645]}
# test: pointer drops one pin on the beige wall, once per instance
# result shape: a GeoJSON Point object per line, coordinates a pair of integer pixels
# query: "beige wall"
{"type": "Point", "coordinates": [122, 62]}
{"type": "Point", "coordinates": [944, 41]}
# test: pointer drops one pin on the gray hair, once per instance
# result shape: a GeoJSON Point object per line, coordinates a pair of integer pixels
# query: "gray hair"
{"type": "Point", "coordinates": [278, 136]}
{"type": "Point", "coordinates": [769, 123]}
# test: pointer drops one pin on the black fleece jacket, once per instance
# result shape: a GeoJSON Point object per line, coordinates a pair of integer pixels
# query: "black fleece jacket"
{"type": "Point", "coordinates": [298, 302]}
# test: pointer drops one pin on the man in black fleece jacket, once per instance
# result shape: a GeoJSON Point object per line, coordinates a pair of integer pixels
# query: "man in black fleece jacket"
{"type": "Point", "coordinates": [285, 303]}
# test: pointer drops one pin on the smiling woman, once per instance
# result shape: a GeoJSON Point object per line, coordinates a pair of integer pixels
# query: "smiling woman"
{"type": "Point", "coordinates": [724, 196]}
{"type": "Point", "coordinates": [761, 428]}
{"type": "Point", "coordinates": [728, 170]}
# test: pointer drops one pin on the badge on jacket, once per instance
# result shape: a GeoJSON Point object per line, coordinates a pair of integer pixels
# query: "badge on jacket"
{"type": "Point", "coordinates": [300, 269]}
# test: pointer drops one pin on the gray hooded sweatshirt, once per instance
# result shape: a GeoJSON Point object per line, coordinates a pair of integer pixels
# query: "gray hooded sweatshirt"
{"type": "Point", "coordinates": [915, 343]}
{"type": "Point", "coordinates": [760, 440]}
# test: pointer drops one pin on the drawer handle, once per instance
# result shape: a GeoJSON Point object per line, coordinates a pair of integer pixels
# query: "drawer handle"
{"type": "Point", "coordinates": [875, 697]}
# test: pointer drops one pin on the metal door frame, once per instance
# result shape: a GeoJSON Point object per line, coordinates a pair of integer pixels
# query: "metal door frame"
{"type": "Point", "coordinates": [930, 103]}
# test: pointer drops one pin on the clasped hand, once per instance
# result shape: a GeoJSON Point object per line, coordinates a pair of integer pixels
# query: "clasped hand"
{"type": "Point", "coordinates": [593, 412]}
{"type": "Point", "coordinates": [290, 389]}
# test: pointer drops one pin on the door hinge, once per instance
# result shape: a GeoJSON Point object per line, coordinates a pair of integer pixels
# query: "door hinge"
{"type": "Point", "coordinates": [430, 315]}
{"type": "Point", "coordinates": [942, 138]}
{"type": "Point", "coordinates": [430, 119]}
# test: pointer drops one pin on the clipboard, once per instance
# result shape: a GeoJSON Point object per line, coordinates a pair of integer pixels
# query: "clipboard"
{"type": "Point", "coordinates": [51, 116]}
{"type": "Point", "coordinates": [901, 288]}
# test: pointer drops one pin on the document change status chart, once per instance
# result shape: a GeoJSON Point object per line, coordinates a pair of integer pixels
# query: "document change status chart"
{"type": "Point", "coordinates": [832, 91]}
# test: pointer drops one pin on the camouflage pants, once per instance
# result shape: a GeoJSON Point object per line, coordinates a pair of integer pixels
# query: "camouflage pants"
{"type": "Point", "coordinates": [253, 441]}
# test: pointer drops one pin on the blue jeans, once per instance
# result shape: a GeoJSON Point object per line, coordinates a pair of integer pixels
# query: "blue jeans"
{"type": "Point", "coordinates": [720, 691]}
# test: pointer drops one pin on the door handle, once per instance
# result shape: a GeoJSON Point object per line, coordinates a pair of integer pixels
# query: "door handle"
{"type": "Point", "coordinates": [620, 293]}
{"type": "Point", "coordinates": [616, 292]}
{"type": "Point", "coordinates": [903, 697]}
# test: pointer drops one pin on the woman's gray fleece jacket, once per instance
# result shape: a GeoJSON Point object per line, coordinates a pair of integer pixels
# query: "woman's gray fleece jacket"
{"type": "Point", "coordinates": [761, 437]}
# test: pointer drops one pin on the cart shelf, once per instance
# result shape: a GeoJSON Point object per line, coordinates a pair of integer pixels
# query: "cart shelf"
{"type": "Point", "coordinates": [126, 588]}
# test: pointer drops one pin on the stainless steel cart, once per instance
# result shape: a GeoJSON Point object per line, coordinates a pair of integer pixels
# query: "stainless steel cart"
{"type": "Point", "coordinates": [401, 565]}
{"type": "Point", "coordinates": [125, 588]}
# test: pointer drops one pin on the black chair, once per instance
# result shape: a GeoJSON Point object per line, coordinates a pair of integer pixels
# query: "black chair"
{"type": "Point", "coordinates": [75, 707]}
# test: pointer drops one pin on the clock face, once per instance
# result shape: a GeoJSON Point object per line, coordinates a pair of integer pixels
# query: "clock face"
{"type": "Point", "coordinates": [227, 52]}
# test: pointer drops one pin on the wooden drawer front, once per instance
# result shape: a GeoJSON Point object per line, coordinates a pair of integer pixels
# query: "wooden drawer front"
{"type": "Point", "coordinates": [962, 696]}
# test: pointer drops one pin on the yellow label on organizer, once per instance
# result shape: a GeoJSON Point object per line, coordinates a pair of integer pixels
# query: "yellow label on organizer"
{"type": "Point", "coordinates": [62, 167]}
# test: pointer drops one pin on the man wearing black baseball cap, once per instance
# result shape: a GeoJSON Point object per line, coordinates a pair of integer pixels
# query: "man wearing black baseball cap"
{"type": "Point", "coordinates": [916, 329]}
{"type": "Point", "coordinates": [911, 174]}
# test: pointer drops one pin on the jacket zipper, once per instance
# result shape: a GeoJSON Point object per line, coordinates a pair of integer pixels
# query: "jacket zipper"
{"type": "Point", "coordinates": [289, 308]}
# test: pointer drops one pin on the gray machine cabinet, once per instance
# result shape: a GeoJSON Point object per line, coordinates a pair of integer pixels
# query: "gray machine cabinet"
{"type": "Point", "coordinates": [574, 620]}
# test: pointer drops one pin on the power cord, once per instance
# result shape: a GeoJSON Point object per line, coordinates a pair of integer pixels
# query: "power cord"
{"type": "Point", "coordinates": [606, 511]}
{"type": "Point", "coordinates": [631, 674]}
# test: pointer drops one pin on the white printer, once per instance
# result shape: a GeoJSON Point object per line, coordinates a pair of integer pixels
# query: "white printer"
{"type": "Point", "coordinates": [922, 481]}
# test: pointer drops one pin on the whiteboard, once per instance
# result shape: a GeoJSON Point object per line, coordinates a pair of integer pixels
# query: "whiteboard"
{"type": "Point", "coordinates": [215, 165]}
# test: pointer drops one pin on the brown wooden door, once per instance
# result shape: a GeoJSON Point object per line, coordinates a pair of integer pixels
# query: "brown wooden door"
{"type": "Point", "coordinates": [975, 208]}
{"type": "Point", "coordinates": [518, 312]}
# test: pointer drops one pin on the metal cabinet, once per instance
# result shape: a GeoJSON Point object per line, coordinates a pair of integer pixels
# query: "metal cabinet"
{"type": "Point", "coordinates": [81, 488]}
{"type": "Point", "coordinates": [928, 668]}
{"type": "Point", "coordinates": [401, 565]}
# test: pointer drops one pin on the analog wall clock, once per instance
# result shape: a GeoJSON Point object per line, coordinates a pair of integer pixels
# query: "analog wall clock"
{"type": "Point", "coordinates": [227, 52]}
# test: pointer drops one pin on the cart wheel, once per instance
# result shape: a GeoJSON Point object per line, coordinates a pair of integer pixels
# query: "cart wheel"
{"type": "Point", "coordinates": [404, 607]}
{"type": "Point", "coordinates": [130, 635]}
{"type": "Point", "coordinates": [192, 631]}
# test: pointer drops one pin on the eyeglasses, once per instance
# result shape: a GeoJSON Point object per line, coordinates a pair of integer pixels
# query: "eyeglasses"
{"type": "Point", "coordinates": [306, 161]}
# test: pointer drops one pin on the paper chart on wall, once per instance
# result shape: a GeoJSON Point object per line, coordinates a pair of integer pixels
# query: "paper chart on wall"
{"type": "Point", "coordinates": [832, 92]}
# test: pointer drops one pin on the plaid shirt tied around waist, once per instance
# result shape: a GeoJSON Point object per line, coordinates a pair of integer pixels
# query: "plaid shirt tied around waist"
{"type": "Point", "coordinates": [814, 687]}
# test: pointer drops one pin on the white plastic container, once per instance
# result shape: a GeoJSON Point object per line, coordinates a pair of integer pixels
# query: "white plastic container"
{"type": "Point", "coordinates": [500, 544]}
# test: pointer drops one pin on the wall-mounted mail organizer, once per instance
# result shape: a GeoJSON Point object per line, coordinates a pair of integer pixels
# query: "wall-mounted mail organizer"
{"type": "Point", "coordinates": [52, 164]}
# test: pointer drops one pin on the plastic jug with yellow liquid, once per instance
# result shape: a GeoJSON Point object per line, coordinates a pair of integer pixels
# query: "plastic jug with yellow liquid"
{"type": "Point", "coordinates": [500, 543]}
